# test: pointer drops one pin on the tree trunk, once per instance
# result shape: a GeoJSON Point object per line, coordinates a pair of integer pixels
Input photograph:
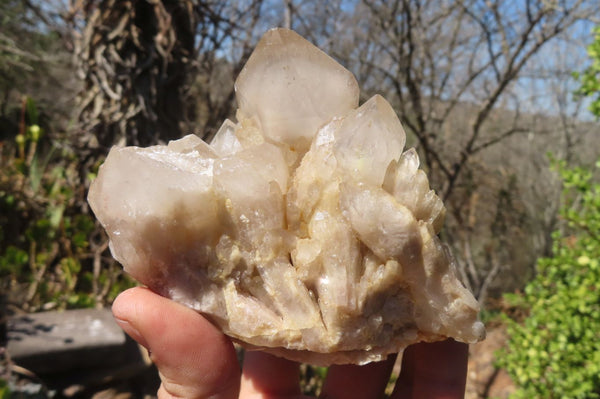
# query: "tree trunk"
{"type": "Point", "coordinates": [134, 57]}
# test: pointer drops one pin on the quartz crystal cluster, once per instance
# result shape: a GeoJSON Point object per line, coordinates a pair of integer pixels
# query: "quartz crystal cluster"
{"type": "Point", "coordinates": [304, 229]}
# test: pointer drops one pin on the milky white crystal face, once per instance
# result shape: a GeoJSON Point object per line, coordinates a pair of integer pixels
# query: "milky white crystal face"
{"type": "Point", "coordinates": [305, 229]}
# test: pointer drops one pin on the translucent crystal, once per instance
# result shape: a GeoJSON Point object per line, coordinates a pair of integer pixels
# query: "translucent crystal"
{"type": "Point", "coordinates": [304, 229]}
{"type": "Point", "coordinates": [292, 88]}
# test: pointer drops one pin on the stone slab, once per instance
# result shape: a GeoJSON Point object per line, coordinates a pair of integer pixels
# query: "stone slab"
{"type": "Point", "coordinates": [52, 342]}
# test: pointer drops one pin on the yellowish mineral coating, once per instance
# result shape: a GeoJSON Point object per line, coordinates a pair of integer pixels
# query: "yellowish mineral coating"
{"type": "Point", "coordinates": [304, 229]}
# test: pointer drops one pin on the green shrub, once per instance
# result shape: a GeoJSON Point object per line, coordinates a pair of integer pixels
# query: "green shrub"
{"type": "Point", "coordinates": [555, 351]}
{"type": "Point", "coordinates": [590, 78]}
{"type": "Point", "coordinates": [53, 254]}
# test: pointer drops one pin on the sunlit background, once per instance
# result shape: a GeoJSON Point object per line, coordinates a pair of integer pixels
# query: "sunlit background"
{"type": "Point", "coordinates": [500, 98]}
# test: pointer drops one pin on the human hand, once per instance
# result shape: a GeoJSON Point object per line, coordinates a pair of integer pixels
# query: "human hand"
{"type": "Point", "coordinates": [195, 360]}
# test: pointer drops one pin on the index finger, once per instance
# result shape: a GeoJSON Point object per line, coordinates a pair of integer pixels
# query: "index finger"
{"type": "Point", "coordinates": [268, 376]}
{"type": "Point", "coordinates": [436, 370]}
{"type": "Point", "coordinates": [352, 381]}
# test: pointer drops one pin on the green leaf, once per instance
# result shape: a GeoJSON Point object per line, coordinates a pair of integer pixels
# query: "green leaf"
{"type": "Point", "coordinates": [13, 260]}
{"type": "Point", "coordinates": [55, 215]}
{"type": "Point", "coordinates": [32, 113]}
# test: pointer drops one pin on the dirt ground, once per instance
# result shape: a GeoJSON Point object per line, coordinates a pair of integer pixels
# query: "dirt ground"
{"type": "Point", "coordinates": [484, 380]}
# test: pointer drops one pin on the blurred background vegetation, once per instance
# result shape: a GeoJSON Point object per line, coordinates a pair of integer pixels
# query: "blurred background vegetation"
{"type": "Point", "coordinates": [485, 90]}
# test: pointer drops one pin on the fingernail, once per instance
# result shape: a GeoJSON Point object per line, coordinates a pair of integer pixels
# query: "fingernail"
{"type": "Point", "coordinates": [132, 332]}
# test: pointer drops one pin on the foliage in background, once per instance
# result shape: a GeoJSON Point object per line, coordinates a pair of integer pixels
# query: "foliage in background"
{"type": "Point", "coordinates": [590, 78]}
{"type": "Point", "coordinates": [51, 248]}
{"type": "Point", "coordinates": [4, 392]}
{"type": "Point", "coordinates": [312, 379]}
{"type": "Point", "coordinates": [33, 61]}
{"type": "Point", "coordinates": [555, 351]}
{"type": "Point", "coordinates": [18, 49]}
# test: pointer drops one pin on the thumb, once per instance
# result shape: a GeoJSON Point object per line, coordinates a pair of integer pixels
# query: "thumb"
{"type": "Point", "coordinates": [194, 359]}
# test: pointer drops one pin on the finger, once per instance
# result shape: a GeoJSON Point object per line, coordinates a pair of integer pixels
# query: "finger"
{"type": "Point", "coordinates": [194, 359]}
{"type": "Point", "coordinates": [351, 381]}
{"type": "Point", "coordinates": [435, 370]}
{"type": "Point", "coordinates": [268, 376]}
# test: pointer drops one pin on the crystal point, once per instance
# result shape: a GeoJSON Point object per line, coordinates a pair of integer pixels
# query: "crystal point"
{"type": "Point", "coordinates": [292, 88]}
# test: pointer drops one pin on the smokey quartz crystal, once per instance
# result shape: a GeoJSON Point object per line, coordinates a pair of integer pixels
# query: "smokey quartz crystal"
{"type": "Point", "coordinates": [304, 229]}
